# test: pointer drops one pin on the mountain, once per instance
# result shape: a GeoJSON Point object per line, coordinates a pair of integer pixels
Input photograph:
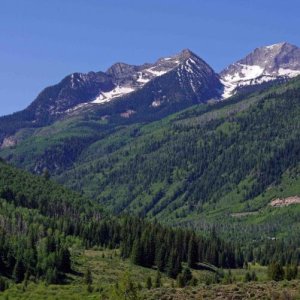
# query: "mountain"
{"type": "Point", "coordinates": [147, 140]}
{"type": "Point", "coordinates": [203, 166]}
{"type": "Point", "coordinates": [149, 91]}
{"type": "Point", "coordinates": [266, 64]}
{"type": "Point", "coordinates": [127, 94]}
{"type": "Point", "coordinates": [192, 72]}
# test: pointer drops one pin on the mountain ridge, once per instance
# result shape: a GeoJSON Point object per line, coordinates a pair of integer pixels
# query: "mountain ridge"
{"type": "Point", "coordinates": [152, 90]}
{"type": "Point", "coordinates": [165, 86]}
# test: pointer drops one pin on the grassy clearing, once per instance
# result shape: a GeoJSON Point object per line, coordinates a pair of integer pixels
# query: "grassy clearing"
{"type": "Point", "coordinates": [108, 268]}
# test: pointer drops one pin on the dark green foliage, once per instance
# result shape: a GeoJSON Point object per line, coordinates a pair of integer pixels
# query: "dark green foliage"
{"type": "Point", "coordinates": [3, 284]}
{"type": "Point", "coordinates": [291, 272]}
{"type": "Point", "coordinates": [174, 264]}
{"type": "Point", "coordinates": [18, 271]}
{"type": "Point", "coordinates": [196, 157]}
{"type": "Point", "coordinates": [149, 283]}
{"type": "Point", "coordinates": [250, 276]}
{"type": "Point", "coordinates": [192, 252]}
{"type": "Point", "coordinates": [46, 174]}
{"type": "Point", "coordinates": [137, 255]}
{"type": "Point", "coordinates": [40, 230]}
{"type": "Point", "coordinates": [275, 271]}
{"type": "Point", "coordinates": [247, 277]}
{"type": "Point", "coordinates": [65, 263]}
{"type": "Point", "coordinates": [182, 169]}
{"type": "Point", "coordinates": [187, 276]}
{"type": "Point", "coordinates": [157, 282]}
{"type": "Point", "coordinates": [52, 276]}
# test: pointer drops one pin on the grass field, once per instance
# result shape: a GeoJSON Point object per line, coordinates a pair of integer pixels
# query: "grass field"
{"type": "Point", "coordinates": [108, 268]}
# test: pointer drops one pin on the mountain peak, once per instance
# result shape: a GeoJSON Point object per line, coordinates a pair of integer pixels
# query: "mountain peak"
{"type": "Point", "coordinates": [268, 63]}
{"type": "Point", "coordinates": [186, 53]}
{"type": "Point", "coordinates": [278, 46]}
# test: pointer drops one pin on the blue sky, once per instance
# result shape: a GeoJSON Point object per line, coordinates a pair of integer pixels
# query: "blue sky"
{"type": "Point", "coordinates": [43, 41]}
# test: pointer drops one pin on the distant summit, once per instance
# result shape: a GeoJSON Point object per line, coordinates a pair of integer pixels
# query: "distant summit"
{"type": "Point", "coordinates": [268, 63]}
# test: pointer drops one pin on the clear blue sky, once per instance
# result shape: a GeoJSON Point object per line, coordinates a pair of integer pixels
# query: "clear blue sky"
{"type": "Point", "coordinates": [41, 41]}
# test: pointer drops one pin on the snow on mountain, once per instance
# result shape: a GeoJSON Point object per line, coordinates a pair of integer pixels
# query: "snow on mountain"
{"type": "Point", "coordinates": [269, 63]}
{"type": "Point", "coordinates": [191, 70]}
{"type": "Point", "coordinates": [130, 78]}
{"type": "Point", "coordinates": [118, 91]}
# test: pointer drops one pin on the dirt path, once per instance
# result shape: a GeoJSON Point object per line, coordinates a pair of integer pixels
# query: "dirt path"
{"type": "Point", "coordinates": [285, 201]}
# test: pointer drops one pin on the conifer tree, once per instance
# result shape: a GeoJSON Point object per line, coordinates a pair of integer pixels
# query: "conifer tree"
{"type": "Point", "coordinates": [149, 283]}
{"type": "Point", "coordinates": [275, 271]}
{"type": "Point", "coordinates": [187, 276]}
{"type": "Point", "coordinates": [137, 252]}
{"type": "Point", "coordinates": [19, 271]}
{"type": "Point", "coordinates": [158, 279]}
{"type": "Point", "coordinates": [192, 252]}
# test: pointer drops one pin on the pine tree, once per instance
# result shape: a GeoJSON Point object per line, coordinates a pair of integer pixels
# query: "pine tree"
{"type": "Point", "coordinates": [65, 265]}
{"type": "Point", "coordinates": [192, 252]}
{"type": "Point", "coordinates": [46, 174]}
{"type": "Point", "coordinates": [3, 284]}
{"type": "Point", "coordinates": [174, 265]}
{"type": "Point", "coordinates": [18, 272]}
{"type": "Point", "coordinates": [291, 272]}
{"type": "Point", "coordinates": [187, 276]}
{"type": "Point", "coordinates": [160, 258]}
{"type": "Point", "coordinates": [137, 253]}
{"type": "Point", "coordinates": [253, 276]}
{"type": "Point", "coordinates": [247, 277]}
{"type": "Point", "coordinates": [149, 283]}
{"type": "Point", "coordinates": [51, 275]}
{"type": "Point", "coordinates": [275, 271]}
{"type": "Point", "coordinates": [158, 279]}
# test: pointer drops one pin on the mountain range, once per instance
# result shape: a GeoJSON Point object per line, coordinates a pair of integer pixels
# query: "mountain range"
{"type": "Point", "coordinates": [151, 91]}
{"type": "Point", "coordinates": [172, 140]}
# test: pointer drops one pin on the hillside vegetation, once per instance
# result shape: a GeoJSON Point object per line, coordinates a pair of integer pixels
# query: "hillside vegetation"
{"type": "Point", "coordinates": [223, 161]}
{"type": "Point", "coordinates": [44, 225]}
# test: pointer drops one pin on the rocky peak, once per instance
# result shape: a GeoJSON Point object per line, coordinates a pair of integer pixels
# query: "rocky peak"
{"type": "Point", "coordinates": [273, 57]}
{"type": "Point", "coordinates": [186, 54]}
{"type": "Point", "coordinates": [268, 63]}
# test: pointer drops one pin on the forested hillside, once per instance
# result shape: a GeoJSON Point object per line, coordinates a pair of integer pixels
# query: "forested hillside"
{"type": "Point", "coordinates": [45, 229]}
{"type": "Point", "coordinates": [209, 162]}
{"type": "Point", "coordinates": [41, 222]}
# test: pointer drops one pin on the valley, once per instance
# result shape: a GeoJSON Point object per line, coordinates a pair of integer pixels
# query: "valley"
{"type": "Point", "coordinates": [156, 181]}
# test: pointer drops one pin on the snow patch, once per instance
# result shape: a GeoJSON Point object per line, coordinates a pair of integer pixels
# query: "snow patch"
{"type": "Point", "coordinates": [118, 91]}
{"type": "Point", "coordinates": [156, 103]}
{"type": "Point", "coordinates": [157, 73]}
{"type": "Point", "coordinates": [246, 73]}
{"type": "Point", "coordinates": [288, 72]}
{"type": "Point", "coordinates": [142, 78]}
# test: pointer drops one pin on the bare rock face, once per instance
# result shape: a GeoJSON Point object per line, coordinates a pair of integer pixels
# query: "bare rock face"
{"type": "Point", "coordinates": [8, 142]}
{"type": "Point", "coordinates": [269, 63]}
